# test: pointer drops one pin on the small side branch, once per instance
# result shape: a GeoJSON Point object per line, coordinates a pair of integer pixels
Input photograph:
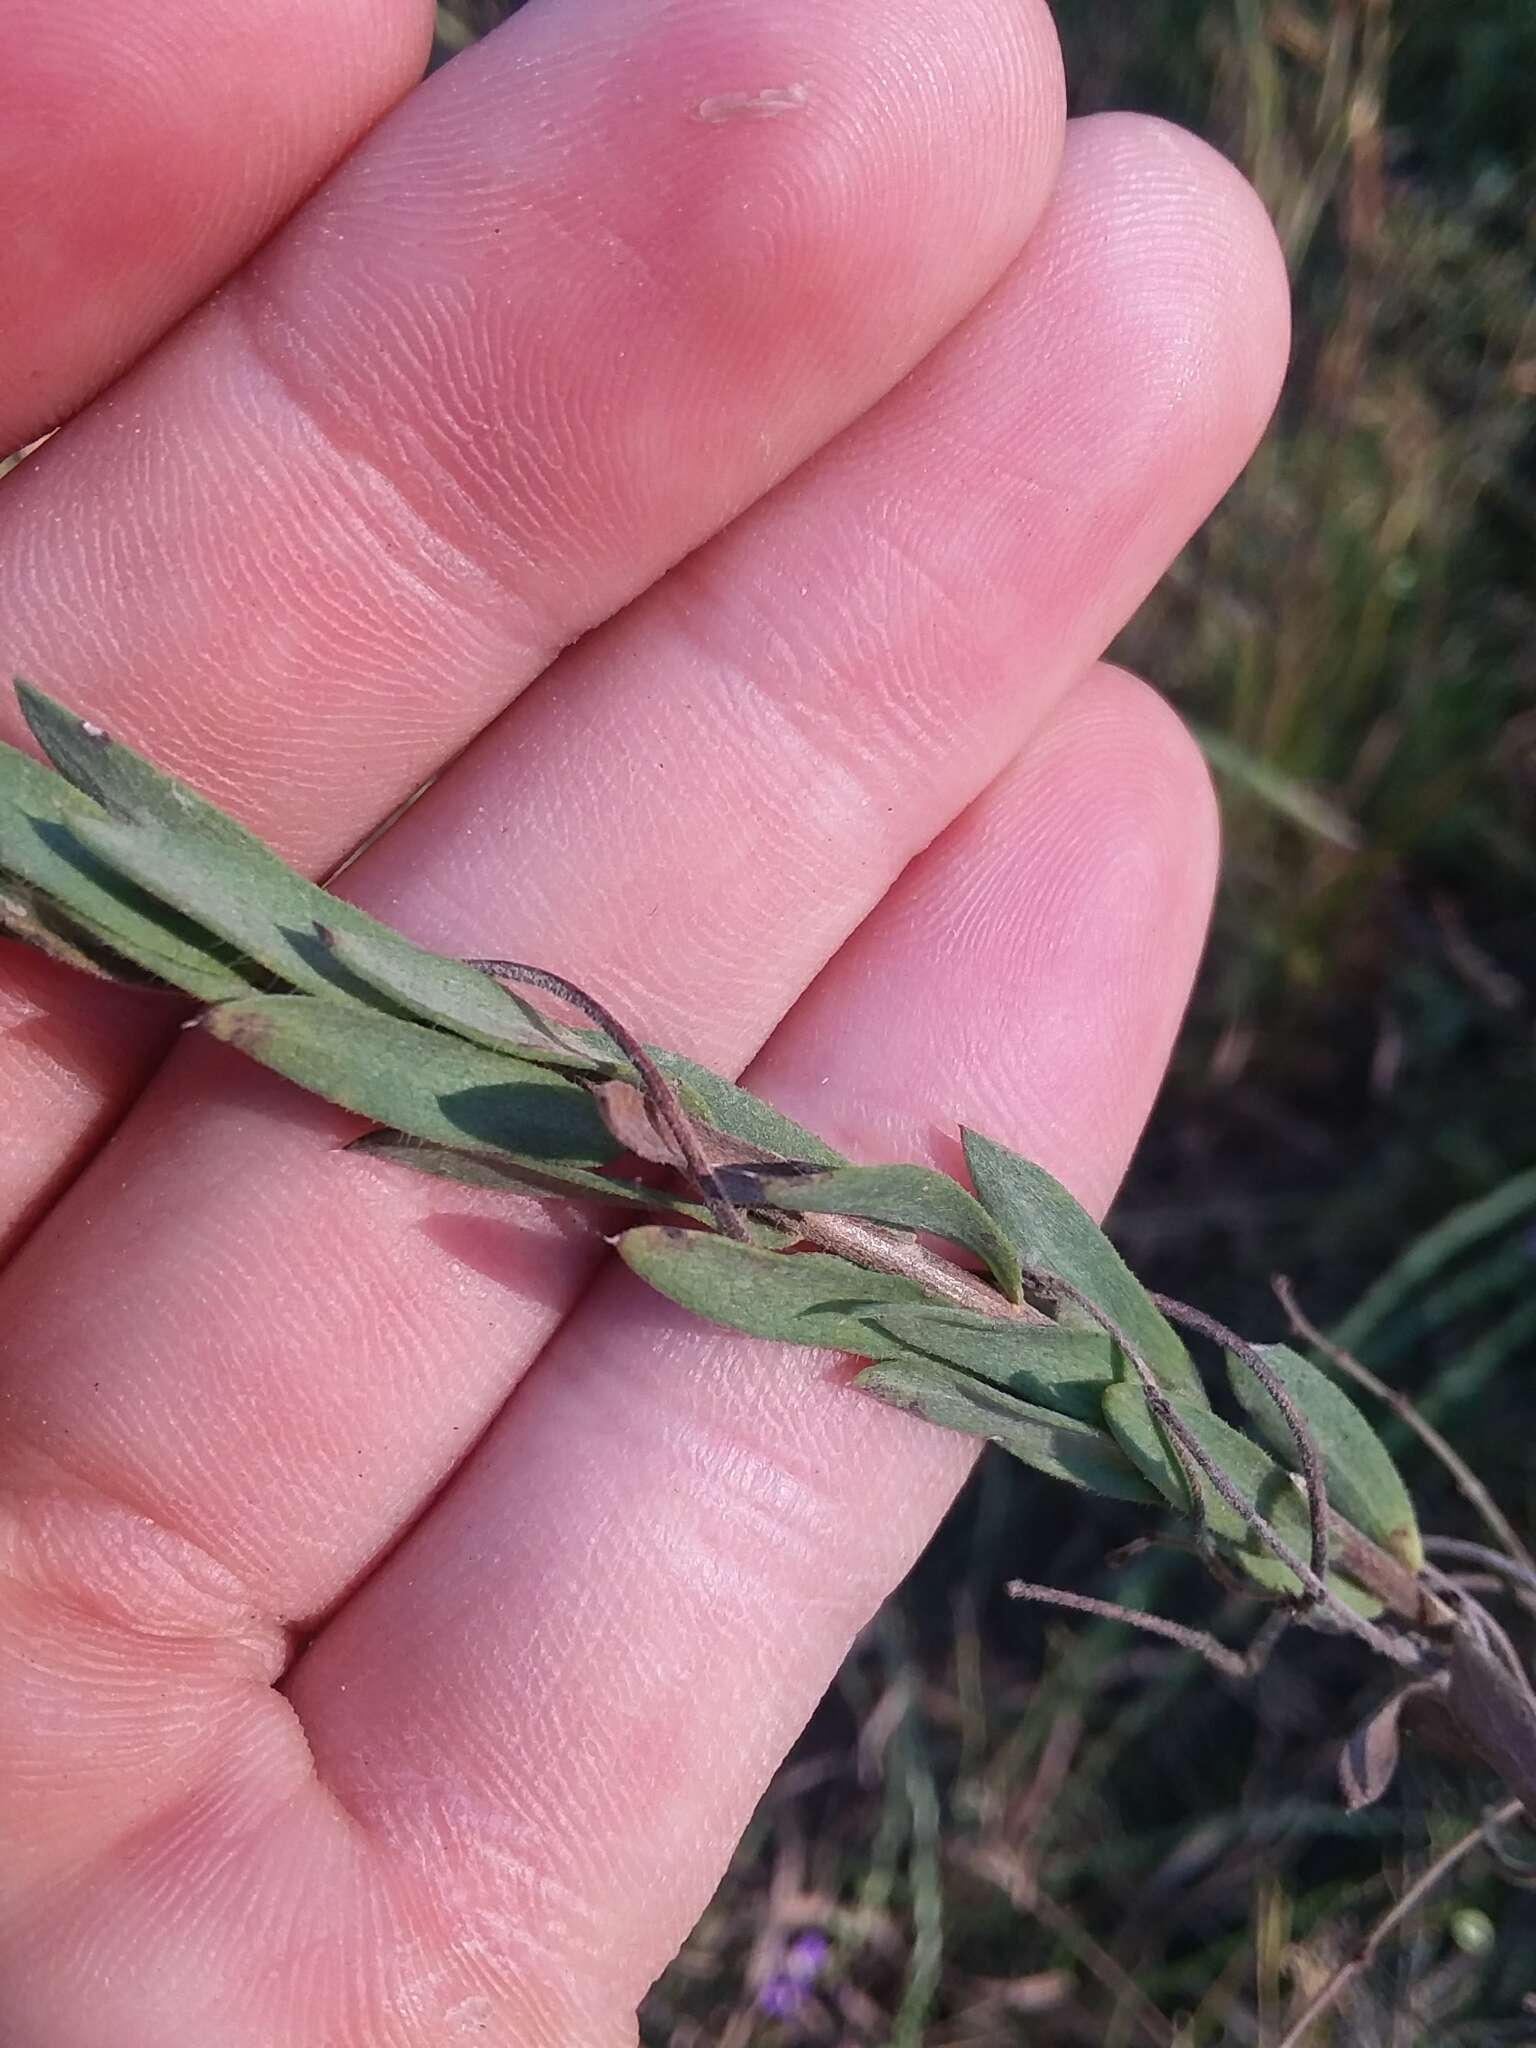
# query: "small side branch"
{"type": "Point", "coordinates": [1234, 1664]}
{"type": "Point", "coordinates": [1301, 1435]}
{"type": "Point", "coordinates": [1520, 1577]}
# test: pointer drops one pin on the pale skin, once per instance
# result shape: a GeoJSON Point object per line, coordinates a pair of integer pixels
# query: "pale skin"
{"type": "Point", "coordinates": [400, 1611]}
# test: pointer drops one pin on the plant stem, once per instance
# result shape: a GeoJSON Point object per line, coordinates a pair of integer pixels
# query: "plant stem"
{"type": "Point", "coordinates": [1305, 1442]}
{"type": "Point", "coordinates": [1231, 1663]}
{"type": "Point", "coordinates": [659, 1091]}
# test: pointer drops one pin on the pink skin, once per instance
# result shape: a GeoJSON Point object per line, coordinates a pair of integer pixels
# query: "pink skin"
{"type": "Point", "coordinates": [870, 826]}
{"type": "Point", "coordinates": [148, 150]}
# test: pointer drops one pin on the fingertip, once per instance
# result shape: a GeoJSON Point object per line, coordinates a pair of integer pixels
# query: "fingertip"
{"type": "Point", "coordinates": [1205, 275]}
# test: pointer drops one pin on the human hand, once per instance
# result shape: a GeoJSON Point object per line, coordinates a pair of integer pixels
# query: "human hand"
{"type": "Point", "coordinates": [326, 1720]}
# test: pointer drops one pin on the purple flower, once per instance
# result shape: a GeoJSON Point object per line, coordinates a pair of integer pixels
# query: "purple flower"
{"type": "Point", "coordinates": [786, 1993]}
{"type": "Point", "coordinates": [781, 1998]}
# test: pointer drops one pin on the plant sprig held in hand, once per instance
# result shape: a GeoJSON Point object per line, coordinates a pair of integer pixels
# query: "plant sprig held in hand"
{"type": "Point", "coordinates": [1000, 1311]}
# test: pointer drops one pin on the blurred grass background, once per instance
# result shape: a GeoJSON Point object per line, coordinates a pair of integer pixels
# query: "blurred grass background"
{"type": "Point", "coordinates": [1003, 1829]}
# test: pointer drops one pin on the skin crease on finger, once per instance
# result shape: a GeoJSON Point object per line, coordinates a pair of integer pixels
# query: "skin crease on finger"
{"type": "Point", "coordinates": [541, 335]}
{"type": "Point", "coordinates": [146, 149]}
{"type": "Point", "coordinates": [545, 1721]}
{"type": "Point", "coordinates": [280, 1357]}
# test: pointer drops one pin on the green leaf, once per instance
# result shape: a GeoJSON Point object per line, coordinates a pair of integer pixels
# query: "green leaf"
{"type": "Point", "coordinates": [795, 1297]}
{"type": "Point", "coordinates": [1054, 1234]}
{"type": "Point", "coordinates": [1255, 1475]}
{"type": "Point", "coordinates": [420, 1081]}
{"type": "Point", "coordinates": [509, 1175]}
{"type": "Point", "coordinates": [41, 819]}
{"type": "Point", "coordinates": [738, 1114]}
{"type": "Point", "coordinates": [1252, 1472]}
{"type": "Point", "coordinates": [83, 754]}
{"type": "Point", "coordinates": [230, 883]}
{"type": "Point", "coordinates": [182, 850]}
{"type": "Point", "coordinates": [459, 998]}
{"type": "Point", "coordinates": [188, 854]}
{"type": "Point", "coordinates": [1066, 1449]}
{"type": "Point", "coordinates": [1363, 1483]}
{"type": "Point", "coordinates": [1063, 1370]}
{"type": "Point", "coordinates": [905, 1197]}
{"type": "Point", "coordinates": [27, 914]}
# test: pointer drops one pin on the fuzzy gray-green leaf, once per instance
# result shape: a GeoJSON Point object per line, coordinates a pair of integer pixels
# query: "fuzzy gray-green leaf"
{"type": "Point", "coordinates": [174, 845]}
{"type": "Point", "coordinates": [89, 761]}
{"type": "Point", "coordinates": [41, 820]}
{"type": "Point", "coordinates": [189, 855]}
{"type": "Point", "coordinates": [1060, 1369]}
{"type": "Point", "coordinates": [1055, 1444]}
{"type": "Point", "coordinates": [904, 1197]}
{"type": "Point", "coordinates": [1364, 1485]}
{"type": "Point", "coordinates": [417, 1080]}
{"type": "Point", "coordinates": [457, 997]}
{"type": "Point", "coordinates": [1253, 1473]}
{"type": "Point", "coordinates": [730, 1109]}
{"type": "Point", "coordinates": [1054, 1234]}
{"type": "Point", "coordinates": [511, 1175]}
{"type": "Point", "coordinates": [796, 1297]}
{"type": "Point", "coordinates": [34, 918]}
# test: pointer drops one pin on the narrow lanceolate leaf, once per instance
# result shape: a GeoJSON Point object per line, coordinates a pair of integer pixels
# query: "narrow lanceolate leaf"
{"type": "Point", "coordinates": [88, 760]}
{"type": "Point", "coordinates": [796, 1297]}
{"type": "Point", "coordinates": [459, 998]}
{"type": "Point", "coordinates": [185, 853]}
{"type": "Point", "coordinates": [226, 880]}
{"type": "Point", "coordinates": [417, 1080]}
{"type": "Point", "coordinates": [1053, 1234]}
{"type": "Point", "coordinates": [27, 914]}
{"type": "Point", "coordinates": [510, 1175]}
{"type": "Point", "coordinates": [41, 818]}
{"type": "Point", "coordinates": [1363, 1483]}
{"type": "Point", "coordinates": [905, 1197]}
{"type": "Point", "coordinates": [1065, 1371]}
{"type": "Point", "coordinates": [730, 1109]}
{"type": "Point", "coordinates": [1253, 1473]}
{"type": "Point", "coordinates": [178, 848]}
{"type": "Point", "coordinates": [1069, 1450]}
